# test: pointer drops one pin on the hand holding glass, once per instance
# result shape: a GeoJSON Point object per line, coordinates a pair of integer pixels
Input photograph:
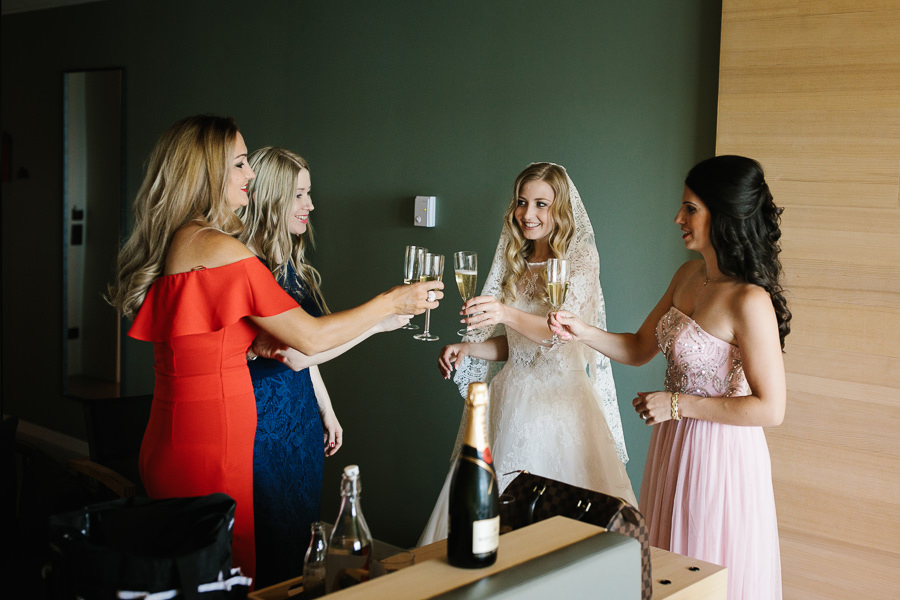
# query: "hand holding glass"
{"type": "Point", "coordinates": [465, 265]}
{"type": "Point", "coordinates": [433, 270]}
{"type": "Point", "coordinates": [412, 265]}
{"type": "Point", "coordinates": [557, 286]}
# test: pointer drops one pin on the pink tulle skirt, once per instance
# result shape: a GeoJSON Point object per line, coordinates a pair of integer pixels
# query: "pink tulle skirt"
{"type": "Point", "coordinates": [707, 493]}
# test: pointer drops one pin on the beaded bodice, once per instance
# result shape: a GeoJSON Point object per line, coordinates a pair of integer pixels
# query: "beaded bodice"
{"type": "Point", "coordinates": [698, 362]}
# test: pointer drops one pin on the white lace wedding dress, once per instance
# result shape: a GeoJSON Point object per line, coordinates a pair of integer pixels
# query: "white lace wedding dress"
{"type": "Point", "coordinates": [545, 414]}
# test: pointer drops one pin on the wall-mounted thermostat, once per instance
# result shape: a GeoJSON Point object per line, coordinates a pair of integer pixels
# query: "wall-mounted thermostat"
{"type": "Point", "coordinates": [424, 215]}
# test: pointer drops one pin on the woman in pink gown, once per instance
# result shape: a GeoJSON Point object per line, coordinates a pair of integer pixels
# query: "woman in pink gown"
{"type": "Point", "coordinates": [707, 487]}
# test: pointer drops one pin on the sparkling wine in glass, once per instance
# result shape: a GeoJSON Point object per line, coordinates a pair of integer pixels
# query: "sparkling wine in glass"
{"type": "Point", "coordinates": [412, 264]}
{"type": "Point", "coordinates": [433, 270]}
{"type": "Point", "coordinates": [557, 286]}
{"type": "Point", "coordinates": [465, 265]}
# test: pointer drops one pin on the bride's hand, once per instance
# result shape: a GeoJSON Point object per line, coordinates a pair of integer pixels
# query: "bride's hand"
{"type": "Point", "coordinates": [451, 357]}
{"type": "Point", "coordinates": [490, 312]}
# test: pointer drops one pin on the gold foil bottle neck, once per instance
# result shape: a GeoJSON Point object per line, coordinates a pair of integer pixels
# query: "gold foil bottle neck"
{"type": "Point", "coordinates": [476, 433]}
{"type": "Point", "coordinates": [477, 394]}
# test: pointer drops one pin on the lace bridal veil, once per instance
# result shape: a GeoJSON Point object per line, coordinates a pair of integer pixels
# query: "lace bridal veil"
{"type": "Point", "coordinates": [583, 257]}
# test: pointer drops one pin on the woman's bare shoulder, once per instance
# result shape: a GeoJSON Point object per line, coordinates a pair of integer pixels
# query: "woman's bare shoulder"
{"type": "Point", "coordinates": [687, 271]}
{"type": "Point", "coordinates": [754, 321]}
{"type": "Point", "coordinates": [748, 299]}
{"type": "Point", "coordinates": [195, 246]}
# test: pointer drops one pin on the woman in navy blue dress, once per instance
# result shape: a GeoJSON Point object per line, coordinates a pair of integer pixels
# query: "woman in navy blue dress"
{"type": "Point", "coordinates": [296, 425]}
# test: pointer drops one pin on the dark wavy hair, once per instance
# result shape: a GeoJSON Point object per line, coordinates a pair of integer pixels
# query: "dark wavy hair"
{"type": "Point", "coordinates": [746, 225]}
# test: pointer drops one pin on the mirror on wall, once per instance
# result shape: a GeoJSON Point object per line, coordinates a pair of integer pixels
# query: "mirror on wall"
{"type": "Point", "coordinates": [92, 222]}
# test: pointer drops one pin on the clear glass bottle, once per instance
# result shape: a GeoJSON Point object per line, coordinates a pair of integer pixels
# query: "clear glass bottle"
{"type": "Point", "coordinates": [314, 562]}
{"type": "Point", "coordinates": [349, 551]}
{"type": "Point", "coordinates": [474, 512]}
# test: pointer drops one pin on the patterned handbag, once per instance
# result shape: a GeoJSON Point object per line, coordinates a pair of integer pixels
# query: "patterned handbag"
{"type": "Point", "coordinates": [539, 498]}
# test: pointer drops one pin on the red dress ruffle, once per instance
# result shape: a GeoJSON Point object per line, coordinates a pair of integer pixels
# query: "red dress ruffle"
{"type": "Point", "coordinates": [208, 300]}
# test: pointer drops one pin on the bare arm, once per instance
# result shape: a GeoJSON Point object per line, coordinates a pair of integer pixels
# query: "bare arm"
{"type": "Point", "coordinates": [197, 246]}
{"type": "Point", "coordinates": [451, 357]}
{"type": "Point", "coordinates": [633, 349]}
{"type": "Point", "coordinates": [267, 346]}
{"type": "Point", "coordinates": [312, 335]}
{"type": "Point", "coordinates": [492, 312]}
{"type": "Point", "coordinates": [334, 433]}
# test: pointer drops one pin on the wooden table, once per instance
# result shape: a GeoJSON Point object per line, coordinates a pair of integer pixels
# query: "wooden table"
{"type": "Point", "coordinates": [675, 577]}
{"type": "Point", "coordinates": [678, 577]}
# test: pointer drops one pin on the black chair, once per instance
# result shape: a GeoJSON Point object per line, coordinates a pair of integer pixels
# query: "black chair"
{"type": "Point", "coordinates": [35, 485]}
{"type": "Point", "coordinates": [115, 428]}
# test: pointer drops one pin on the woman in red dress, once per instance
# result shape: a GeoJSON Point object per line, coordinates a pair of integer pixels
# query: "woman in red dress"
{"type": "Point", "coordinates": [201, 297]}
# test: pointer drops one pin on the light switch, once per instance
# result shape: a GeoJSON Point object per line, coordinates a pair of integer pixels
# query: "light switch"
{"type": "Point", "coordinates": [424, 211]}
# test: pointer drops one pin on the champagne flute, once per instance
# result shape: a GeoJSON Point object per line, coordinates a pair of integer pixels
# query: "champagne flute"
{"type": "Point", "coordinates": [412, 265]}
{"type": "Point", "coordinates": [433, 271]}
{"type": "Point", "coordinates": [465, 265]}
{"type": "Point", "coordinates": [557, 286]}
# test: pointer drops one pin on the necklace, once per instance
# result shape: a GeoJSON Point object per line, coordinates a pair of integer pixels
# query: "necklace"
{"type": "Point", "coordinates": [706, 278]}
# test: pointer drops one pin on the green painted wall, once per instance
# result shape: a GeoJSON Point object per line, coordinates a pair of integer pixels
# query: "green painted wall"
{"type": "Point", "coordinates": [386, 100]}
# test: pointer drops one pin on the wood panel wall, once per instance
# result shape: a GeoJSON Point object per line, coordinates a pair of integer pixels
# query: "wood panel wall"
{"type": "Point", "coordinates": [811, 89]}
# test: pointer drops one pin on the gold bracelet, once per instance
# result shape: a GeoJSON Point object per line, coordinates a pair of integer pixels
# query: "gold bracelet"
{"type": "Point", "coordinates": [675, 415]}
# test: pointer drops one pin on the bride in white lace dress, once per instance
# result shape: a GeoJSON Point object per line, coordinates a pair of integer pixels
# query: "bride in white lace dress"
{"type": "Point", "coordinates": [553, 410]}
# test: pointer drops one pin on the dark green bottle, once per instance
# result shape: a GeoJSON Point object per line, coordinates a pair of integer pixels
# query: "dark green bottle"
{"type": "Point", "coordinates": [474, 534]}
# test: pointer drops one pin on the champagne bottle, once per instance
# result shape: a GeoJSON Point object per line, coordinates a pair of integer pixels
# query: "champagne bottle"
{"type": "Point", "coordinates": [474, 531]}
{"type": "Point", "coordinates": [350, 547]}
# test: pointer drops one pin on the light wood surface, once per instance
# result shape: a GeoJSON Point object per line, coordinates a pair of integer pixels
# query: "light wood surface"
{"type": "Point", "coordinates": [811, 89]}
{"type": "Point", "coordinates": [675, 577]}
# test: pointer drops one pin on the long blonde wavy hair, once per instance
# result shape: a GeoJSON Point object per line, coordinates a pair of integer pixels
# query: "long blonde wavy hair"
{"type": "Point", "coordinates": [186, 181]}
{"type": "Point", "coordinates": [519, 249]}
{"type": "Point", "coordinates": [268, 215]}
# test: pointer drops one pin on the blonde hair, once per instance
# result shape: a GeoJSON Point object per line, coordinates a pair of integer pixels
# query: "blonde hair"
{"type": "Point", "coordinates": [268, 215]}
{"type": "Point", "coordinates": [186, 181]}
{"type": "Point", "coordinates": [519, 249]}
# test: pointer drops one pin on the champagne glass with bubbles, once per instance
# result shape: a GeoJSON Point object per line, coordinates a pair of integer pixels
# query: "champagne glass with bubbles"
{"type": "Point", "coordinates": [412, 264]}
{"type": "Point", "coordinates": [433, 270]}
{"type": "Point", "coordinates": [557, 286]}
{"type": "Point", "coordinates": [465, 265]}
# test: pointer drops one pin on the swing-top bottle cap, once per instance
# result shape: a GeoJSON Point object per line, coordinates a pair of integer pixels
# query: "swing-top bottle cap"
{"type": "Point", "coordinates": [478, 394]}
{"type": "Point", "coordinates": [350, 482]}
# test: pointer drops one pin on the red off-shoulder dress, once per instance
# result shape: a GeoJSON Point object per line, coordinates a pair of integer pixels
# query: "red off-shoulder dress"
{"type": "Point", "coordinates": [199, 439]}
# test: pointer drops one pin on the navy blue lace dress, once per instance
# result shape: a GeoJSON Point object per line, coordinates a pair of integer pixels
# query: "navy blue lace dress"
{"type": "Point", "coordinates": [288, 455]}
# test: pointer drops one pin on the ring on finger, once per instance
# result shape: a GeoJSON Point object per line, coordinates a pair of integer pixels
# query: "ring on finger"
{"type": "Point", "coordinates": [430, 296]}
